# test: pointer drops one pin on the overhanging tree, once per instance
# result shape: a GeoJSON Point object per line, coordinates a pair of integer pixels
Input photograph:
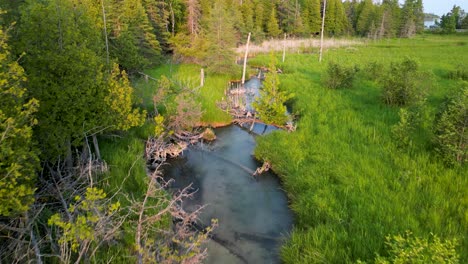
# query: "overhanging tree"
{"type": "Point", "coordinates": [18, 158]}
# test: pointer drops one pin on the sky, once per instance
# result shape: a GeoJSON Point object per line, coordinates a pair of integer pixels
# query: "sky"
{"type": "Point", "coordinates": [440, 7]}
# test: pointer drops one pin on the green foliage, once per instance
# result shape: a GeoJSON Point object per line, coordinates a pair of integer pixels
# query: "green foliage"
{"type": "Point", "coordinates": [461, 72]}
{"type": "Point", "coordinates": [272, 26]}
{"type": "Point", "coordinates": [411, 119]}
{"type": "Point", "coordinates": [65, 71]}
{"type": "Point", "coordinates": [90, 216]}
{"type": "Point", "coordinates": [159, 128]}
{"type": "Point", "coordinates": [270, 106]}
{"type": "Point", "coordinates": [131, 34]}
{"type": "Point", "coordinates": [451, 133]}
{"type": "Point", "coordinates": [411, 249]}
{"type": "Point", "coordinates": [401, 83]}
{"type": "Point", "coordinates": [118, 102]}
{"type": "Point", "coordinates": [402, 131]}
{"type": "Point", "coordinates": [412, 18]}
{"type": "Point", "coordinates": [373, 70]}
{"type": "Point", "coordinates": [340, 76]}
{"type": "Point", "coordinates": [221, 39]}
{"type": "Point", "coordinates": [18, 157]}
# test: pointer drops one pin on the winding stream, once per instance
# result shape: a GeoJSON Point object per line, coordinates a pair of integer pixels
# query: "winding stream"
{"type": "Point", "coordinates": [253, 213]}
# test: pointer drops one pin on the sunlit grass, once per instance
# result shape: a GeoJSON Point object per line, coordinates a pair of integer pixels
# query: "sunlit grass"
{"type": "Point", "coordinates": [349, 185]}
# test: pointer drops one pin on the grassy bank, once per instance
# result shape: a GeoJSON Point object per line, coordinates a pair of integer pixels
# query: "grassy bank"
{"type": "Point", "coordinates": [349, 185]}
{"type": "Point", "coordinates": [210, 93]}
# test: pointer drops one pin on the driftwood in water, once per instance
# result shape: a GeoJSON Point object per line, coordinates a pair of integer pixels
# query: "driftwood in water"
{"type": "Point", "coordinates": [158, 151]}
{"type": "Point", "coordinates": [264, 168]}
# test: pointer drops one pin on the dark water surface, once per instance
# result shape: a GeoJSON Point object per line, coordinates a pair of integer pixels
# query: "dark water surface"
{"type": "Point", "coordinates": [253, 213]}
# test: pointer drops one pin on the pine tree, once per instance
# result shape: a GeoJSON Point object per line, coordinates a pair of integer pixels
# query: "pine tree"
{"type": "Point", "coordinates": [273, 29]}
{"type": "Point", "coordinates": [159, 15]}
{"type": "Point", "coordinates": [451, 128]}
{"type": "Point", "coordinates": [247, 9]}
{"type": "Point", "coordinates": [132, 36]}
{"type": "Point", "coordinates": [270, 106]}
{"type": "Point", "coordinates": [220, 35]}
{"type": "Point", "coordinates": [412, 18]}
{"type": "Point", "coordinates": [366, 18]}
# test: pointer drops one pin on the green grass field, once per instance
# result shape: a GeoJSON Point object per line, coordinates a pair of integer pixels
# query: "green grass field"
{"type": "Point", "coordinates": [348, 183]}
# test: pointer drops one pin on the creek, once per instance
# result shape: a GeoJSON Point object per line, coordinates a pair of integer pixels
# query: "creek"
{"type": "Point", "coordinates": [253, 213]}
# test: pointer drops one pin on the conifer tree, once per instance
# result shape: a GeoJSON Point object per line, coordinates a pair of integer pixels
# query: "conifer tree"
{"type": "Point", "coordinates": [133, 40]}
{"type": "Point", "coordinates": [412, 18]}
{"type": "Point", "coordinates": [270, 106]}
{"type": "Point", "coordinates": [221, 39]}
{"type": "Point", "coordinates": [272, 25]}
{"type": "Point", "coordinates": [18, 158]}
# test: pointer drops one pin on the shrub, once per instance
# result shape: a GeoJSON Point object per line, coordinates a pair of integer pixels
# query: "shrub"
{"type": "Point", "coordinates": [411, 119]}
{"type": "Point", "coordinates": [402, 131]}
{"type": "Point", "coordinates": [450, 129]}
{"type": "Point", "coordinates": [402, 83]}
{"type": "Point", "coordinates": [461, 72]}
{"type": "Point", "coordinates": [373, 70]}
{"type": "Point", "coordinates": [411, 249]}
{"type": "Point", "coordinates": [340, 76]}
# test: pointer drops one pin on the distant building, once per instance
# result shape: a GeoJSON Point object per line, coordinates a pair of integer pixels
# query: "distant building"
{"type": "Point", "coordinates": [431, 23]}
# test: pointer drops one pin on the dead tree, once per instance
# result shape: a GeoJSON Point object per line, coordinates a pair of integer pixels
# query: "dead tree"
{"type": "Point", "coordinates": [181, 244]}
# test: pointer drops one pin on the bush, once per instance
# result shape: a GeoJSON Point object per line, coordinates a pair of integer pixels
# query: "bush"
{"type": "Point", "coordinates": [411, 249]}
{"type": "Point", "coordinates": [461, 72]}
{"type": "Point", "coordinates": [340, 76]}
{"type": "Point", "coordinates": [402, 83]}
{"type": "Point", "coordinates": [373, 70]}
{"type": "Point", "coordinates": [450, 129]}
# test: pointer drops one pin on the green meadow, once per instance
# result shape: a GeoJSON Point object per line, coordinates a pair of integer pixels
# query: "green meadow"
{"type": "Point", "coordinates": [349, 184]}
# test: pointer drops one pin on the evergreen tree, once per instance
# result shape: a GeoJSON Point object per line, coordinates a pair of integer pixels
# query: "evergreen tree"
{"type": "Point", "coordinates": [18, 159]}
{"type": "Point", "coordinates": [412, 18]}
{"type": "Point", "coordinates": [335, 20]}
{"type": "Point", "coordinates": [451, 133]}
{"type": "Point", "coordinates": [390, 17]}
{"type": "Point", "coordinates": [220, 35]}
{"type": "Point", "coordinates": [273, 29]}
{"type": "Point", "coordinates": [259, 19]}
{"type": "Point", "coordinates": [464, 22]}
{"type": "Point", "coordinates": [65, 72]}
{"type": "Point", "coordinates": [132, 36]}
{"type": "Point", "coordinates": [366, 18]}
{"type": "Point", "coordinates": [248, 17]}
{"type": "Point", "coordinates": [159, 15]}
{"type": "Point", "coordinates": [448, 23]}
{"type": "Point", "coordinates": [270, 106]}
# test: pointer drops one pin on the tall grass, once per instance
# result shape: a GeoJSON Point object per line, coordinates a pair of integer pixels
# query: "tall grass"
{"type": "Point", "coordinates": [186, 74]}
{"type": "Point", "coordinates": [349, 184]}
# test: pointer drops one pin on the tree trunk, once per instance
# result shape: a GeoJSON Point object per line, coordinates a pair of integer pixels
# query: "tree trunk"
{"type": "Point", "coordinates": [253, 124]}
{"type": "Point", "coordinates": [323, 26]}
{"type": "Point", "coordinates": [105, 31]}
{"type": "Point", "coordinates": [202, 77]}
{"type": "Point", "coordinates": [245, 59]}
{"type": "Point", "coordinates": [96, 147]}
{"type": "Point", "coordinates": [284, 48]}
{"type": "Point", "coordinates": [69, 156]}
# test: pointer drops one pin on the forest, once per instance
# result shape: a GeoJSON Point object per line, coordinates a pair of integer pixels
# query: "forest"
{"type": "Point", "coordinates": [92, 90]}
